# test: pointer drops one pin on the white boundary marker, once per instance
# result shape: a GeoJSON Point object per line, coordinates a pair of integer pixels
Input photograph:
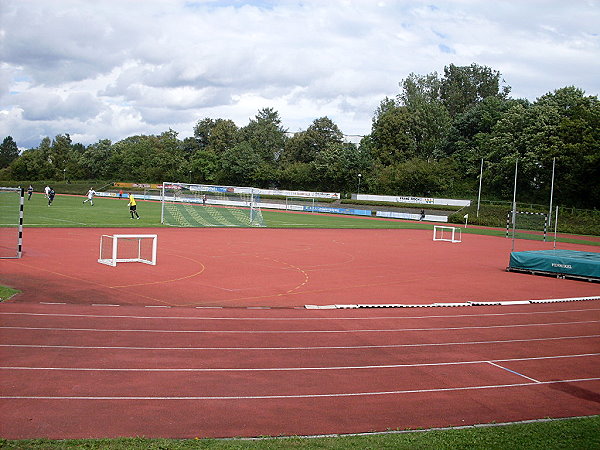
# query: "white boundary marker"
{"type": "Point", "coordinates": [438, 305]}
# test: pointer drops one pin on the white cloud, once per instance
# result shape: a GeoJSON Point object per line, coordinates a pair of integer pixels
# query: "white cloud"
{"type": "Point", "coordinates": [112, 68]}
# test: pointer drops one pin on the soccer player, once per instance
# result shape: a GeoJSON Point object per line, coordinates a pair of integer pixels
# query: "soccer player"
{"type": "Point", "coordinates": [90, 197]}
{"type": "Point", "coordinates": [29, 192]}
{"type": "Point", "coordinates": [132, 207]}
{"type": "Point", "coordinates": [50, 195]}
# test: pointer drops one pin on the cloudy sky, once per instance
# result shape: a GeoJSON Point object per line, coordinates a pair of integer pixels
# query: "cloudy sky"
{"type": "Point", "coordinates": [108, 69]}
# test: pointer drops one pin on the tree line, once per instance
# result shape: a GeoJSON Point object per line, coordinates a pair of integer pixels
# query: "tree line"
{"type": "Point", "coordinates": [428, 140]}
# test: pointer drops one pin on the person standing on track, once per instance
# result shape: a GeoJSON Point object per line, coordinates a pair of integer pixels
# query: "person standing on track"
{"type": "Point", "coordinates": [90, 196]}
{"type": "Point", "coordinates": [133, 207]}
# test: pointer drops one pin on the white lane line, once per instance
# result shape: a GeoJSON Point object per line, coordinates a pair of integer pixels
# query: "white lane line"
{"type": "Point", "coordinates": [106, 316]}
{"type": "Point", "coordinates": [347, 331]}
{"type": "Point", "coordinates": [267, 397]}
{"type": "Point", "coordinates": [289, 369]}
{"type": "Point", "coordinates": [512, 371]}
{"type": "Point", "coordinates": [333, 347]}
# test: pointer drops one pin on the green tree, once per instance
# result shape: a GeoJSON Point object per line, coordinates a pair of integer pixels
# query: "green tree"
{"type": "Point", "coordinates": [305, 146]}
{"type": "Point", "coordinates": [390, 139]}
{"type": "Point", "coordinates": [9, 151]}
{"type": "Point", "coordinates": [240, 164]}
{"type": "Point", "coordinates": [430, 120]}
{"type": "Point", "coordinates": [265, 135]}
{"type": "Point", "coordinates": [337, 167]}
{"type": "Point", "coordinates": [462, 87]}
{"type": "Point", "coordinates": [94, 162]}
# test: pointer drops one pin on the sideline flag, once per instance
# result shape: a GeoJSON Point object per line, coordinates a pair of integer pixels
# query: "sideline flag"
{"type": "Point", "coordinates": [466, 217]}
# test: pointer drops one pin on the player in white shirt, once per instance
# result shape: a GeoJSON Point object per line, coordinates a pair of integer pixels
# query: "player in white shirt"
{"type": "Point", "coordinates": [90, 197]}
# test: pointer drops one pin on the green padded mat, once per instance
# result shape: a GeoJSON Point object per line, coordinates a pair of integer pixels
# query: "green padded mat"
{"type": "Point", "coordinates": [568, 262]}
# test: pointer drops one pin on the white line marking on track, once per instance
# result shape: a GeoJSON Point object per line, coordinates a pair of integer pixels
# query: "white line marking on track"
{"type": "Point", "coordinates": [333, 347]}
{"type": "Point", "coordinates": [293, 318]}
{"type": "Point", "coordinates": [288, 369]}
{"type": "Point", "coordinates": [392, 330]}
{"type": "Point", "coordinates": [350, 394]}
{"type": "Point", "coordinates": [512, 371]}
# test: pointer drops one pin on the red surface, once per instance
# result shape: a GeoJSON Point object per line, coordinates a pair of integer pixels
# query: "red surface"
{"type": "Point", "coordinates": [76, 370]}
{"type": "Point", "coordinates": [280, 268]}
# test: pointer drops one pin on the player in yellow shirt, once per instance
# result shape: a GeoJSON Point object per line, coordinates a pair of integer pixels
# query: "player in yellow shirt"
{"type": "Point", "coordinates": [132, 207]}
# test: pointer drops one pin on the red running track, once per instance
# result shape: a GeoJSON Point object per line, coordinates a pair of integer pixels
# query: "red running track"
{"type": "Point", "coordinates": [76, 370]}
{"type": "Point", "coordinates": [280, 268]}
{"type": "Point", "coordinates": [80, 371]}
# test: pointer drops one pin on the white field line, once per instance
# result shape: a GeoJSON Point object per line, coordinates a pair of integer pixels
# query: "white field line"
{"type": "Point", "coordinates": [333, 347]}
{"type": "Point", "coordinates": [272, 397]}
{"type": "Point", "coordinates": [347, 331]}
{"type": "Point", "coordinates": [307, 319]}
{"type": "Point", "coordinates": [512, 371]}
{"type": "Point", "coordinates": [291, 369]}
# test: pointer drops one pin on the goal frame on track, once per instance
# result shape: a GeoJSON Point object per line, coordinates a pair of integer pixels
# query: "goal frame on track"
{"type": "Point", "coordinates": [141, 253]}
{"type": "Point", "coordinates": [455, 233]}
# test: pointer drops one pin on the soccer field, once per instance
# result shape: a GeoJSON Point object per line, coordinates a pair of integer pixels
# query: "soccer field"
{"type": "Point", "coordinates": [70, 211]}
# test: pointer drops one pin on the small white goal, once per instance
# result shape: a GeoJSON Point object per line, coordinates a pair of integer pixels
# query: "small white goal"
{"type": "Point", "coordinates": [119, 248]}
{"type": "Point", "coordinates": [448, 234]}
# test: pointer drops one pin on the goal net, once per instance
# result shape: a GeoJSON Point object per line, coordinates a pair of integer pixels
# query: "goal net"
{"type": "Point", "coordinates": [11, 222]}
{"type": "Point", "coordinates": [201, 205]}
{"type": "Point", "coordinates": [448, 234]}
{"type": "Point", "coordinates": [120, 248]}
{"type": "Point", "coordinates": [527, 225]}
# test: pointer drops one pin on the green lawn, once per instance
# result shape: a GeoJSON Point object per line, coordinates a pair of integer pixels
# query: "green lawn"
{"type": "Point", "coordinates": [69, 211]}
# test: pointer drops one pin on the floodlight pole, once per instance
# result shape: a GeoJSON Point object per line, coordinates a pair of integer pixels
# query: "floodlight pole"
{"type": "Point", "coordinates": [480, 178]}
{"type": "Point", "coordinates": [551, 193]}
{"type": "Point", "coordinates": [359, 177]}
{"type": "Point", "coordinates": [514, 206]}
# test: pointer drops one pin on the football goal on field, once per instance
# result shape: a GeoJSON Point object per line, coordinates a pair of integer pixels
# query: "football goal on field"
{"type": "Point", "coordinates": [119, 248]}
{"type": "Point", "coordinates": [11, 222]}
{"type": "Point", "coordinates": [202, 205]}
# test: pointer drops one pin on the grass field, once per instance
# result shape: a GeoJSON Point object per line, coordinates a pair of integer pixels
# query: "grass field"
{"type": "Point", "coordinates": [69, 211]}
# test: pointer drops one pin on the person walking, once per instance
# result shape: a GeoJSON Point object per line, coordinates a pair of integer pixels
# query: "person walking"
{"type": "Point", "coordinates": [90, 197]}
{"type": "Point", "coordinates": [133, 207]}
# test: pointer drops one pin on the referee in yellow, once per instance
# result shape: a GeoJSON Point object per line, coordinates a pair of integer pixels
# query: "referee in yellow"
{"type": "Point", "coordinates": [132, 207]}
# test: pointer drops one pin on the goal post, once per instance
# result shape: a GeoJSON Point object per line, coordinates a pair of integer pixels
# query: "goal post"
{"type": "Point", "coordinates": [446, 233]}
{"type": "Point", "coordinates": [119, 248]}
{"type": "Point", "coordinates": [203, 205]}
{"type": "Point", "coordinates": [11, 222]}
{"type": "Point", "coordinates": [527, 225]}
